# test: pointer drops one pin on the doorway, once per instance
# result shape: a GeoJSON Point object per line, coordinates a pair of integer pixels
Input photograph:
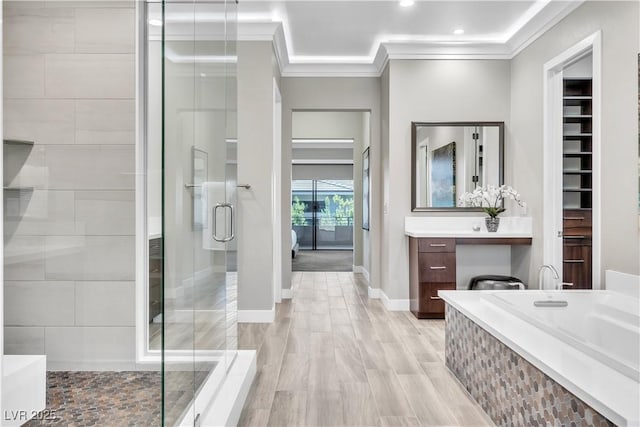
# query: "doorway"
{"type": "Point", "coordinates": [572, 231]}
{"type": "Point", "coordinates": [326, 189]}
{"type": "Point", "coordinates": [322, 220]}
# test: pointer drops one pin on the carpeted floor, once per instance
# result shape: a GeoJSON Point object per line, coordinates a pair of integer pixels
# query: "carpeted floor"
{"type": "Point", "coordinates": [323, 261]}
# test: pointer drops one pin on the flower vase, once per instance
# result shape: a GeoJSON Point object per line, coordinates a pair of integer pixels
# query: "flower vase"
{"type": "Point", "coordinates": [492, 223]}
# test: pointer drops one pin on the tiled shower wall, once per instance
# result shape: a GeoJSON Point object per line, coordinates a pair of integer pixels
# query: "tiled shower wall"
{"type": "Point", "coordinates": [69, 78]}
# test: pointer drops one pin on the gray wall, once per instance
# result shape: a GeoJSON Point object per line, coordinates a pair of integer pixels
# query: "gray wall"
{"type": "Point", "coordinates": [69, 245]}
{"type": "Point", "coordinates": [430, 90]}
{"type": "Point", "coordinates": [255, 167]}
{"type": "Point", "coordinates": [331, 94]}
{"type": "Point", "coordinates": [619, 24]}
{"type": "Point", "coordinates": [322, 172]}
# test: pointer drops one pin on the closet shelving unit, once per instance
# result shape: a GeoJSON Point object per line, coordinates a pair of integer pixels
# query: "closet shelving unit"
{"type": "Point", "coordinates": [577, 182]}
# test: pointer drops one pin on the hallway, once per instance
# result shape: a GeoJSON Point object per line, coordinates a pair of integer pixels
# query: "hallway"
{"type": "Point", "coordinates": [335, 358]}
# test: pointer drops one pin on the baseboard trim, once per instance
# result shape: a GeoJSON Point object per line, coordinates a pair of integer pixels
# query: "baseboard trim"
{"type": "Point", "coordinates": [374, 293]}
{"type": "Point", "coordinates": [287, 293]}
{"type": "Point", "coordinates": [257, 316]}
{"type": "Point", "coordinates": [360, 269]}
{"type": "Point", "coordinates": [394, 304]}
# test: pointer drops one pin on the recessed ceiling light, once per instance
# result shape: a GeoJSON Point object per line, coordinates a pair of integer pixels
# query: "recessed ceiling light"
{"type": "Point", "coordinates": [155, 22]}
{"type": "Point", "coordinates": [458, 31]}
{"type": "Point", "coordinates": [406, 3]}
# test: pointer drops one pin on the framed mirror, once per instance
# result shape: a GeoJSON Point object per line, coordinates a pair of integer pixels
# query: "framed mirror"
{"type": "Point", "coordinates": [450, 158]}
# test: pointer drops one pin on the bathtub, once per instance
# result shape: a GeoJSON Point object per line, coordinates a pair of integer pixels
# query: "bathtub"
{"type": "Point", "coordinates": [588, 352]}
{"type": "Point", "coordinates": [603, 324]}
{"type": "Point", "coordinates": [24, 388]}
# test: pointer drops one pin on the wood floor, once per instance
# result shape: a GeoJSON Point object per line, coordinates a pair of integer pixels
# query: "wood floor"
{"type": "Point", "coordinates": [333, 357]}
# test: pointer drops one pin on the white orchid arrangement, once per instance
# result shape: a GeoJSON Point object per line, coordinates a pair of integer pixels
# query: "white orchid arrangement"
{"type": "Point", "coordinates": [490, 199]}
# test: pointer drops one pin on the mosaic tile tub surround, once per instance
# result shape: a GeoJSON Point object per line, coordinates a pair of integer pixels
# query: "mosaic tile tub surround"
{"type": "Point", "coordinates": [509, 389]}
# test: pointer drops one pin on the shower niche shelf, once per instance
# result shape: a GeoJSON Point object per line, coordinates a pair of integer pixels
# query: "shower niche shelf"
{"type": "Point", "coordinates": [17, 142]}
{"type": "Point", "coordinates": [16, 153]}
{"type": "Point", "coordinates": [19, 189]}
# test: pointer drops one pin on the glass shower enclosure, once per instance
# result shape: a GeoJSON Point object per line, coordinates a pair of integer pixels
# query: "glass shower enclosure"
{"type": "Point", "coordinates": [196, 204]}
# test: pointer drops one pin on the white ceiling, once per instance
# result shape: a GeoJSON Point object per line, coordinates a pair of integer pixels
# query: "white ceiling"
{"type": "Point", "coordinates": [355, 28]}
{"type": "Point", "coordinates": [342, 32]}
{"type": "Point", "coordinates": [357, 37]}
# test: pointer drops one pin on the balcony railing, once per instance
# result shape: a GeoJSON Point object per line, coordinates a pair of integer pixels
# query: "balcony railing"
{"type": "Point", "coordinates": [331, 233]}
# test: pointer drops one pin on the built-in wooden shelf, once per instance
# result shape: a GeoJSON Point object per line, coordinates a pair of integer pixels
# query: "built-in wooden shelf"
{"type": "Point", "coordinates": [577, 153]}
{"type": "Point", "coordinates": [577, 172]}
{"type": "Point", "coordinates": [577, 98]}
{"type": "Point", "coordinates": [576, 135]}
{"type": "Point", "coordinates": [577, 188]}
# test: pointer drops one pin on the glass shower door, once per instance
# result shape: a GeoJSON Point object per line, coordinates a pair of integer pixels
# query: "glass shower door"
{"type": "Point", "coordinates": [199, 320]}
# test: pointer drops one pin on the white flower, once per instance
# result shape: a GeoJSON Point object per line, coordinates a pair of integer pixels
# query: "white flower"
{"type": "Point", "coordinates": [490, 197]}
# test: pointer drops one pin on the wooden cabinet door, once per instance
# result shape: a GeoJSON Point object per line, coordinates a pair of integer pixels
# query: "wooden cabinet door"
{"type": "Point", "coordinates": [437, 267]}
{"type": "Point", "coordinates": [430, 302]}
{"type": "Point", "coordinates": [577, 266]}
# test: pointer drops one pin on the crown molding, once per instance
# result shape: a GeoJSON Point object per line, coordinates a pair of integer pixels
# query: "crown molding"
{"type": "Point", "coordinates": [547, 18]}
{"type": "Point", "coordinates": [292, 66]}
{"type": "Point", "coordinates": [280, 48]}
{"type": "Point", "coordinates": [330, 70]}
{"type": "Point", "coordinates": [257, 30]}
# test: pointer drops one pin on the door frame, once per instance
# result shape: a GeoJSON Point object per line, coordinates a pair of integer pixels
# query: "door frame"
{"type": "Point", "coordinates": [552, 153]}
{"type": "Point", "coordinates": [276, 193]}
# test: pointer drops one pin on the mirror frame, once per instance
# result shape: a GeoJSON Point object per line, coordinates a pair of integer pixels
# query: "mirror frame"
{"type": "Point", "coordinates": [414, 129]}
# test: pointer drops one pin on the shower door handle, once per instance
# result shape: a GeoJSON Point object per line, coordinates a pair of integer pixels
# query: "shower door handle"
{"type": "Point", "coordinates": [233, 223]}
{"type": "Point", "coordinates": [215, 223]}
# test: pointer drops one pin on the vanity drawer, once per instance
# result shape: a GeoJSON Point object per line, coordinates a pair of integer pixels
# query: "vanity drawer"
{"type": "Point", "coordinates": [437, 267]}
{"type": "Point", "coordinates": [576, 240]}
{"type": "Point", "coordinates": [576, 222]}
{"type": "Point", "coordinates": [430, 302]}
{"type": "Point", "coordinates": [436, 245]}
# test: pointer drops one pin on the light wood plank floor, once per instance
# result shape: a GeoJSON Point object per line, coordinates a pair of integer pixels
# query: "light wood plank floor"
{"type": "Point", "coordinates": [333, 357]}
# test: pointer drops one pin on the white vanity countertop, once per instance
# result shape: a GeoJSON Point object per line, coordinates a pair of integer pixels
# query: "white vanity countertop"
{"type": "Point", "coordinates": [462, 226]}
{"type": "Point", "coordinates": [611, 393]}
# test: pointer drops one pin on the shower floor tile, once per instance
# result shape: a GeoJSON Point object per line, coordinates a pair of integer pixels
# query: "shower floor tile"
{"type": "Point", "coordinates": [126, 398]}
{"type": "Point", "coordinates": [101, 399]}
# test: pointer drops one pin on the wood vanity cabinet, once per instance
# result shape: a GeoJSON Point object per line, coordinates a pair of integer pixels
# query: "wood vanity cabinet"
{"type": "Point", "coordinates": [432, 264]}
{"type": "Point", "coordinates": [155, 277]}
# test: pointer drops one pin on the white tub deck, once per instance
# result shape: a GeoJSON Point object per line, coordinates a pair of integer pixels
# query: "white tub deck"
{"type": "Point", "coordinates": [605, 388]}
